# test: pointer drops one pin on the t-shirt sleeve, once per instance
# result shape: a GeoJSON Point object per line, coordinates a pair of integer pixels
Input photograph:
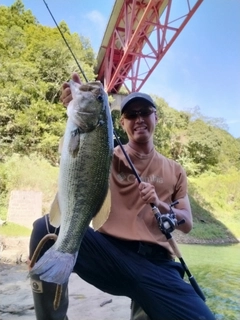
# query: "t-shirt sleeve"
{"type": "Point", "coordinates": [180, 189]}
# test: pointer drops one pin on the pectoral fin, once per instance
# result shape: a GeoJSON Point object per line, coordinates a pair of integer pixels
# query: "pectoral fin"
{"type": "Point", "coordinates": [103, 214]}
{"type": "Point", "coordinates": [60, 146]}
{"type": "Point", "coordinates": [55, 214]}
{"type": "Point", "coordinates": [74, 142]}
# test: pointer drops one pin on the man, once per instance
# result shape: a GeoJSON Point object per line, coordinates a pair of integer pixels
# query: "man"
{"type": "Point", "coordinates": [129, 255]}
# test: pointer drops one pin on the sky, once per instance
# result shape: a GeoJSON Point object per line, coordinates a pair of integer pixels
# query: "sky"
{"type": "Point", "coordinates": [201, 68]}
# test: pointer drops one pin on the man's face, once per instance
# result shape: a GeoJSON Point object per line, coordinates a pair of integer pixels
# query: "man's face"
{"type": "Point", "coordinates": [138, 120]}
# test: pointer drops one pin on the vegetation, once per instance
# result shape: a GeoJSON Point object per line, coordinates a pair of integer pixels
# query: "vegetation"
{"type": "Point", "coordinates": [14, 230]}
{"type": "Point", "coordinates": [35, 62]}
{"type": "Point", "coordinates": [220, 196]}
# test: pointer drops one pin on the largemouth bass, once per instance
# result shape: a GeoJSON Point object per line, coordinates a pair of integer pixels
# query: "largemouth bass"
{"type": "Point", "coordinates": [83, 179]}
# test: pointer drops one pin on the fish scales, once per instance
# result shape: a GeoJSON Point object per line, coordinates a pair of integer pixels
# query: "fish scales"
{"type": "Point", "coordinates": [83, 178]}
{"type": "Point", "coordinates": [92, 162]}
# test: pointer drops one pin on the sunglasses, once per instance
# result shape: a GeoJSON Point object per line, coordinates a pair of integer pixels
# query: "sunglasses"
{"type": "Point", "coordinates": [130, 115]}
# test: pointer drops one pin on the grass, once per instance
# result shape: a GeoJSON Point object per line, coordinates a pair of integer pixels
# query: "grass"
{"type": "Point", "coordinates": [215, 199]}
{"type": "Point", "coordinates": [207, 231]}
{"type": "Point", "coordinates": [215, 202]}
{"type": "Point", "coordinates": [14, 230]}
{"type": "Point", "coordinates": [27, 173]}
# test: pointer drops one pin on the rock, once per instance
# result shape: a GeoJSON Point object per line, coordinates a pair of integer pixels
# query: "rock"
{"type": "Point", "coordinates": [15, 309]}
{"type": "Point", "coordinates": [14, 249]}
{"type": "Point", "coordinates": [16, 301]}
{"type": "Point", "coordinates": [2, 222]}
{"type": "Point", "coordinates": [13, 256]}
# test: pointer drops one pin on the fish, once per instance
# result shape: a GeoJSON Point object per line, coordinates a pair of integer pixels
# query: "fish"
{"type": "Point", "coordinates": [83, 182]}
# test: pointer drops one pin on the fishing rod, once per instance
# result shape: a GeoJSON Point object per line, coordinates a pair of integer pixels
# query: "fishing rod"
{"type": "Point", "coordinates": [166, 222]}
{"type": "Point", "coordinates": [65, 41]}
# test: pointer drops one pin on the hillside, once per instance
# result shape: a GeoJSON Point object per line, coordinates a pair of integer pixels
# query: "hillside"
{"type": "Point", "coordinates": [34, 64]}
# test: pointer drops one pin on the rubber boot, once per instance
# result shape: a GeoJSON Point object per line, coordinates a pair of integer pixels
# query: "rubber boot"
{"type": "Point", "coordinates": [44, 297]}
{"type": "Point", "coordinates": [137, 312]}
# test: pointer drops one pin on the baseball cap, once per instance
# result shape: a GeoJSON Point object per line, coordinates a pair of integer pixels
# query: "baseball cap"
{"type": "Point", "coordinates": [136, 96]}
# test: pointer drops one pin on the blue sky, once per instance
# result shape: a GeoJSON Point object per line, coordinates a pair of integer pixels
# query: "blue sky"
{"type": "Point", "coordinates": [202, 67]}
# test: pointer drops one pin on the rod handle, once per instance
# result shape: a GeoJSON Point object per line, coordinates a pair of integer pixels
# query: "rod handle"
{"type": "Point", "coordinates": [197, 288]}
{"type": "Point", "coordinates": [192, 280]}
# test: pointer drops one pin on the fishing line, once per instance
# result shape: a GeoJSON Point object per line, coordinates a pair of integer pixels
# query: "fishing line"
{"type": "Point", "coordinates": [65, 41]}
{"type": "Point", "coordinates": [166, 222]}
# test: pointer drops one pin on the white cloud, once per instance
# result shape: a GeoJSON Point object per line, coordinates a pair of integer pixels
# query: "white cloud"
{"type": "Point", "coordinates": [97, 18]}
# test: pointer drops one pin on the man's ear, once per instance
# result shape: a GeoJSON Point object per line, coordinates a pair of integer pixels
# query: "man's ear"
{"type": "Point", "coordinates": [122, 123]}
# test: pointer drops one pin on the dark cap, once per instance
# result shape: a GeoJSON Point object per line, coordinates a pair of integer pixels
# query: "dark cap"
{"type": "Point", "coordinates": [136, 96]}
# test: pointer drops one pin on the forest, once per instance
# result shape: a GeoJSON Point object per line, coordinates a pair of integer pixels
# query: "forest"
{"type": "Point", "coordinates": [35, 62]}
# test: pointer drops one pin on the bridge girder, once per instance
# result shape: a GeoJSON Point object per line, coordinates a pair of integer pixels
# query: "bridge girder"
{"type": "Point", "coordinates": [138, 35]}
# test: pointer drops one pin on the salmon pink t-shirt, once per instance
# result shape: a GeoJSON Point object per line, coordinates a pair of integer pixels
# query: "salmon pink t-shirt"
{"type": "Point", "coordinates": [130, 218]}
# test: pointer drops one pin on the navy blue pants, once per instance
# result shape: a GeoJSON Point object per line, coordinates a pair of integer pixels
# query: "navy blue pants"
{"type": "Point", "coordinates": [115, 267]}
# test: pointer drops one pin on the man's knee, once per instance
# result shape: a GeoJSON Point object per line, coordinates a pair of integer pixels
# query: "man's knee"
{"type": "Point", "coordinates": [41, 227]}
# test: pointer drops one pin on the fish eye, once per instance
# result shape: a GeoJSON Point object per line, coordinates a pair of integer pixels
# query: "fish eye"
{"type": "Point", "coordinates": [100, 98]}
{"type": "Point", "coordinates": [100, 123]}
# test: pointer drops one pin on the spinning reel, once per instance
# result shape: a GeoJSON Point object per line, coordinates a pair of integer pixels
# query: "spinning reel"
{"type": "Point", "coordinates": [167, 222]}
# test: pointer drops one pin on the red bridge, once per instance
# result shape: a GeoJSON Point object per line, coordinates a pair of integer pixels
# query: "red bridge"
{"type": "Point", "coordinates": [138, 35]}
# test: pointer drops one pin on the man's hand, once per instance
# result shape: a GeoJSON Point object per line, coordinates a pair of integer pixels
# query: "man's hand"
{"type": "Point", "coordinates": [182, 210]}
{"type": "Point", "coordinates": [148, 193]}
{"type": "Point", "coordinates": [66, 95]}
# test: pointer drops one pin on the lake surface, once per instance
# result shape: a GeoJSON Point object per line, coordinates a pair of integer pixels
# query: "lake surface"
{"type": "Point", "coordinates": [217, 271]}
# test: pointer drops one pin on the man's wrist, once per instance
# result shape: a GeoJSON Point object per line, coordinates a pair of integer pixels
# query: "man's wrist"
{"type": "Point", "coordinates": [163, 207]}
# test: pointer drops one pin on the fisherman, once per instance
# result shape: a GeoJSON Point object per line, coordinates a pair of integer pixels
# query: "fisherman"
{"type": "Point", "coordinates": [132, 255]}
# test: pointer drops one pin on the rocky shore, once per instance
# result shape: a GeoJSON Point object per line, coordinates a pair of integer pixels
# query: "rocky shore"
{"type": "Point", "coordinates": [16, 297]}
{"type": "Point", "coordinates": [14, 250]}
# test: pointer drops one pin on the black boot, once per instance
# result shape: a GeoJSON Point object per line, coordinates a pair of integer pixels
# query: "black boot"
{"type": "Point", "coordinates": [44, 297]}
{"type": "Point", "coordinates": [137, 312]}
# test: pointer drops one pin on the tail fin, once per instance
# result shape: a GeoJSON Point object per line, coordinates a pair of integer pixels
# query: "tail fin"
{"type": "Point", "coordinates": [54, 266]}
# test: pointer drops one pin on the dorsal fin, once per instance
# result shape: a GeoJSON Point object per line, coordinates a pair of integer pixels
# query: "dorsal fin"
{"type": "Point", "coordinates": [55, 213]}
{"type": "Point", "coordinates": [102, 216]}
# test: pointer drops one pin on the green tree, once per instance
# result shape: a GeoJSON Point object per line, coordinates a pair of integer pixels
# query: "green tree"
{"type": "Point", "coordinates": [34, 63]}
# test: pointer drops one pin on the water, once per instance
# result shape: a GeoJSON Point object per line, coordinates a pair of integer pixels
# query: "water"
{"type": "Point", "coordinates": [217, 272]}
